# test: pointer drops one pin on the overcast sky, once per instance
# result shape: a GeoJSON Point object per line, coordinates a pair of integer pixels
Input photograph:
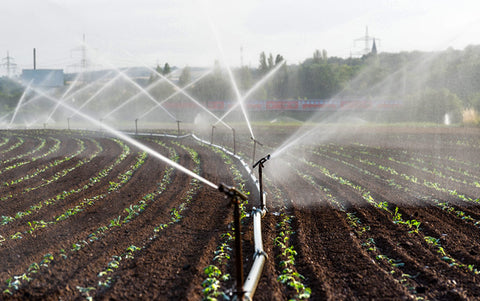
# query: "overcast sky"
{"type": "Point", "coordinates": [183, 32]}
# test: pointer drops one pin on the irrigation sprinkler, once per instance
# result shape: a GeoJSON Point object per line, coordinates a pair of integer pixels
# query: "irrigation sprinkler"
{"type": "Point", "coordinates": [236, 198]}
{"type": "Point", "coordinates": [136, 126]}
{"type": "Point", "coordinates": [68, 124]}
{"type": "Point", "coordinates": [211, 138]}
{"type": "Point", "coordinates": [255, 141]}
{"type": "Point", "coordinates": [178, 127]}
{"type": "Point", "coordinates": [44, 126]}
{"type": "Point", "coordinates": [260, 181]}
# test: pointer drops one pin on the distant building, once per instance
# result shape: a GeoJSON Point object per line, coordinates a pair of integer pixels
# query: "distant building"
{"type": "Point", "coordinates": [48, 78]}
{"type": "Point", "coordinates": [374, 48]}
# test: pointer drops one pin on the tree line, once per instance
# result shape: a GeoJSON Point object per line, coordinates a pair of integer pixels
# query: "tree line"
{"type": "Point", "coordinates": [428, 84]}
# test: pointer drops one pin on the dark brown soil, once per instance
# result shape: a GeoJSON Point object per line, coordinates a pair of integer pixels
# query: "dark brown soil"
{"type": "Point", "coordinates": [350, 197]}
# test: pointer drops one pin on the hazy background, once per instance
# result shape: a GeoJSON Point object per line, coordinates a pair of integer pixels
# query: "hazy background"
{"type": "Point", "coordinates": [178, 32]}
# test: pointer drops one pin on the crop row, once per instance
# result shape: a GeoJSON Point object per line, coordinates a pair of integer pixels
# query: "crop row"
{"type": "Point", "coordinates": [216, 273]}
{"type": "Point", "coordinates": [58, 174]}
{"type": "Point", "coordinates": [39, 170]}
{"type": "Point", "coordinates": [412, 225]}
{"type": "Point", "coordinates": [13, 282]}
{"type": "Point", "coordinates": [70, 193]}
{"type": "Point", "coordinates": [32, 151]}
{"type": "Point", "coordinates": [105, 276]}
{"type": "Point", "coordinates": [13, 146]}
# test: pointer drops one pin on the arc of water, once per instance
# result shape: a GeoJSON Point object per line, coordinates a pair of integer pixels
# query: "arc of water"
{"type": "Point", "coordinates": [96, 94]}
{"type": "Point", "coordinates": [146, 93]}
{"type": "Point", "coordinates": [255, 87]}
{"type": "Point", "coordinates": [133, 142]}
{"type": "Point", "coordinates": [151, 86]}
{"type": "Point", "coordinates": [19, 104]}
{"type": "Point", "coordinates": [232, 79]}
{"type": "Point", "coordinates": [189, 97]}
{"type": "Point", "coordinates": [63, 97]}
{"type": "Point", "coordinates": [88, 86]}
{"type": "Point", "coordinates": [176, 93]}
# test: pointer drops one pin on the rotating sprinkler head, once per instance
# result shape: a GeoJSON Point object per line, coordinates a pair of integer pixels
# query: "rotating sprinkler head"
{"type": "Point", "coordinates": [260, 182]}
{"type": "Point", "coordinates": [231, 192]}
{"type": "Point", "coordinates": [261, 161]}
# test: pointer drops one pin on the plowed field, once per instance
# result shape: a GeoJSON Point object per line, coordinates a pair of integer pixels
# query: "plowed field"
{"type": "Point", "coordinates": [375, 213]}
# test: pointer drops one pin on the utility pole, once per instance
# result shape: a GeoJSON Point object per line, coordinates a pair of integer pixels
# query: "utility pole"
{"type": "Point", "coordinates": [83, 62]}
{"type": "Point", "coordinates": [366, 40]}
{"type": "Point", "coordinates": [9, 64]}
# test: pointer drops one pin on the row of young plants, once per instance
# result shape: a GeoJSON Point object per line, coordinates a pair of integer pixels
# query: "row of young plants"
{"type": "Point", "coordinates": [368, 242]}
{"type": "Point", "coordinates": [397, 267]}
{"type": "Point", "coordinates": [4, 141]}
{"type": "Point", "coordinates": [470, 166]}
{"type": "Point", "coordinates": [114, 186]}
{"type": "Point", "coordinates": [442, 205]}
{"type": "Point", "coordinates": [413, 224]}
{"type": "Point", "coordinates": [408, 178]}
{"type": "Point", "coordinates": [64, 194]}
{"type": "Point", "coordinates": [17, 144]}
{"type": "Point", "coordinates": [287, 253]}
{"type": "Point", "coordinates": [39, 147]}
{"type": "Point", "coordinates": [59, 174]}
{"type": "Point", "coordinates": [288, 276]}
{"type": "Point", "coordinates": [413, 179]}
{"type": "Point", "coordinates": [216, 272]}
{"type": "Point", "coordinates": [105, 278]}
{"type": "Point", "coordinates": [41, 169]}
{"type": "Point", "coordinates": [132, 210]}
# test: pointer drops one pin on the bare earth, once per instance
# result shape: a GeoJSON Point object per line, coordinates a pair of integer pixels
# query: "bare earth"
{"type": "Point", "coordinates": [377, 213]}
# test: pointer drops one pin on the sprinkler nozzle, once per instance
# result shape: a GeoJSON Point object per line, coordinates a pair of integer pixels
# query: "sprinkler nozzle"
{"type": "Point", "coordinates": [256, 141]}
{"type": "Point", "coordinates": [261, 161]}
{"type": "Point", "coordinates": [231, 191]}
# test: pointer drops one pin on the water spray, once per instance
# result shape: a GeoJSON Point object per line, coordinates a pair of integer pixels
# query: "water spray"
{"type": "Point", "coordinates": [180, 90]}
{"type": "Point", "coordinates": [19, 104]}
{"type": "Point", "coordinates": [152, 85]}
{"type": "Point", "coordinates": [133, 142]}
{"type": "Point", "coordinates": [236, 198]}
{"type": "Point", "coordinates": [260, 181]}
{"type": "Point", "coordinates": [176, 93]}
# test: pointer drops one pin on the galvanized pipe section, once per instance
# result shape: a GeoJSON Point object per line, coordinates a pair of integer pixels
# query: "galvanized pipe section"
{"type": "Point", "coordinates": [259, 257]}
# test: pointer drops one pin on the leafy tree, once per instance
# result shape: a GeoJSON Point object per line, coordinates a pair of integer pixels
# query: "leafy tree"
{"type": "Point", "coordinates": [166, 69]}
{"type": "Point", "coordinates": [270, 61]}
{"type": "Point", "coordinates": [10, 93]}
{"type": "Point", "coordinates": [185, 77]}
{"type": "Point", "coordinates": [263, 68]}
{"type": "Point", "coordinates": [432, 106]}
{"type": "Point", "coordinates": [278, 59]}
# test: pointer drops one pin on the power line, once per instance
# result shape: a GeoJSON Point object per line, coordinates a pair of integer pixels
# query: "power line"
{"type": "Point", "coordinates": [366, 40]}
{"type": "Point", "coordinates": [9, 64]}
